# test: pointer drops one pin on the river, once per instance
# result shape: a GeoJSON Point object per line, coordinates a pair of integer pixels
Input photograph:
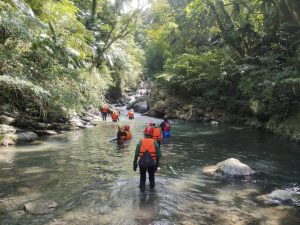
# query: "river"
{"type": "Point", "coordinates": [92, 181]}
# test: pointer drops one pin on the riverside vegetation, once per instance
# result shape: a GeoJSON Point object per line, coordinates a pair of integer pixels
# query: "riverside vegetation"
{"type": "Point", "coordinates": [226, 60]}
{"type": "Point", "coordinates": [223, 60]}
{"type": "Point", "coordinates": [59, 58]}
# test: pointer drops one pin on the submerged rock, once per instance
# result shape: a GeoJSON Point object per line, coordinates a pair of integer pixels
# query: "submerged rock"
{"type": "Point", "coordinates": [46, 132]}
{"type": "Point", "coordinates": [40, 207]}
{"type": "Point", "coordinates": [277, 197]}
{"type": "Point", "coordinates": [229, 167]}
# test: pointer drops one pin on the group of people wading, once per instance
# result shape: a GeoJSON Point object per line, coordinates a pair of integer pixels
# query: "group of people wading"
{"type": "Point", "coordinates": [147, 154]}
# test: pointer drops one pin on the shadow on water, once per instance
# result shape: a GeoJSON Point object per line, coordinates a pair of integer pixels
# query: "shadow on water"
{"type": "Point", "coordinates": [92, 180]}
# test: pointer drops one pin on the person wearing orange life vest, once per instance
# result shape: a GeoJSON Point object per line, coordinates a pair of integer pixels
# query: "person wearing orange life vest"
{"type": "Point", "coordinates": [128, 132]}
{"type": "Point", "coordinates": [130, 114]}
{"type": "Point", "coordinates": [156, 133]}
{"type": "Point", "coordinates": [149, 128]}
{"type": "Point", "coordinates": [104, 110]}
{"type": "Point", "coordinates": [147, 146]}
{"type": "Point", "coordinates": [121, 135]}
{"type": "Point", "coordinates": [115, 116]}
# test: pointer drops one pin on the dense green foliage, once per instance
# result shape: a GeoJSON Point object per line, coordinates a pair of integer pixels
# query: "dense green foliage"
{"type": "Point", "coordinates": [59, 56]}
{"type": "Point", "coordinates": [224, 53]}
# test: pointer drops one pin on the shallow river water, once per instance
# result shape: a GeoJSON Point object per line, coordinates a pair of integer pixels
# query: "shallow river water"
{"type": "Point", "coordinates": [92, 181]}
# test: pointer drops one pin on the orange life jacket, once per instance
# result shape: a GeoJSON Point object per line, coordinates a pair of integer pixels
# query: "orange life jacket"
{"type": "Point", "coordinates": [156, 133]}
{"type": "Point", "coordinates": [104, 109]}
{"type": "Point", "coordinates": [129, 135]}
{"type": "Point", "coordinates": [130, 114]}
{"type": "Point", "coordinates": [123, 139]}
{"type": "Point", "coordinates": [148, 144]}
{"type": "Point", "coordinates": [114, 116]}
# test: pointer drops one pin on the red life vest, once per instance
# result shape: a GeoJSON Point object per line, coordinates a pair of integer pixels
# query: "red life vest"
{"type": "Point", "coordinates": [114, 116]}
{"type": "Point", "coordinates": [148, 144]}
{"type": "Point", "coordinates": [167, 126]}
{"type": "Point", "coordinates": [104, 109]}
{"type": "Point", "coordinates": [156, 133]}
{"type": "Point", "coordinates": [130, 114]}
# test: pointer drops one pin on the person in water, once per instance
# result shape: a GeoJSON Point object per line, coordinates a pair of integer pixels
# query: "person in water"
{"type": "Point", "coordinates": [104, 110]}
{"type": "Point", "coordinates": [130, 114]}
{"type": "Point", "coordinates": [121, 135]}
{"type": "Point", "coordinates": [156, 133]}
{"type": "Point", "coordinates": [128, 132]}
{"type": "Point", "coordinates": [166, 128]}
{"type": "Point", "coordinates": [148, 153]}
{"type": "Point", "coordinates": [115, 116]}
{"type": "Point", "coordinates": [149, 128]}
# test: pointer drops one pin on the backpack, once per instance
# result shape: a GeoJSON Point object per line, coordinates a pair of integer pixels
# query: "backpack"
{"type": "Point", "coordinates": [146, 160]}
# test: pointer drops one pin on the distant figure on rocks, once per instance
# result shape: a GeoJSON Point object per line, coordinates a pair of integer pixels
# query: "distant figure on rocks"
{"type": "Point", "coordinates": [115, 116]}
{"type": "Point", "coordinates": [130, 114]}
{"type": "Point", "coordinates": [104, 110]}
{"type": "Point", "coordinates": [166, 128]}
{"type": "Point", "coordinates": [148, 153]}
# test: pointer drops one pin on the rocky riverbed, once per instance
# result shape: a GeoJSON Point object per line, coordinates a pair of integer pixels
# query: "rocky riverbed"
{"type": "Point", "coordinates": [17, 128]}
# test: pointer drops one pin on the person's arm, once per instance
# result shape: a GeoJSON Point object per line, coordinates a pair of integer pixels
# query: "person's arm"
{"type": "Point", "coordinates": [136, 155]}
{"type": "Point", "coordinates": [158, 154]}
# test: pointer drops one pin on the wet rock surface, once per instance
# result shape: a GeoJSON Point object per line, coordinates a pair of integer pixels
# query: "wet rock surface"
{"type": "Point", "coordinates": [31, 128]}
{"type": "Point", "coordinates": [279, 197]}
{"type": "Point", "coordinates": [6, 120]}
{"type": "Point", "coordinates": [229, 167]}
{"type": "Point", "coordinates": [40, 207]}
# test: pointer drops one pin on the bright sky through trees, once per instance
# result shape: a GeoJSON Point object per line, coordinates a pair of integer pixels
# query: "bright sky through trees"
{"type": "Point", "coordinates": [136, 4]}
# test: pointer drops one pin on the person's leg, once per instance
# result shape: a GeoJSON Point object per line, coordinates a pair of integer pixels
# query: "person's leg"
{"type": "Point", "coordinates": [158, 142]}
{"type": "Point", "coordinates": [151, 171]}
{"type": "Point", "coordinates": [142, 178]}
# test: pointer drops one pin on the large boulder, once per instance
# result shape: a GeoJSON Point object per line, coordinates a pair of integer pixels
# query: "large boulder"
{"type": "Point", "coordinates": [40, 207]}
{"type": "Point", "coordinates": [259, 109]}
{"type": "Point", "coordinates": [5, 129]}
{"type": "Point", "coordinates": [229, 167]}
{"type": "Point", "coordinates": [160, 107]}
{"type": "Point", "coordinates": [6, 120]}
{"type": "Point", "coordinates": [24, 136]}
{"type": "Point", "coordinates": [140, 107]}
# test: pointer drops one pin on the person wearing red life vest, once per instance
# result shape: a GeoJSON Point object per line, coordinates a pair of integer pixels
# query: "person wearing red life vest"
{"type": "Point", "coordinates": [130, 114]}
{"type": "Point", "coordinates": [166, 128]}
{"type": "Point", "coordinates": [115, 116]}
{"type": "Point", "coordinates": [104, 110]}
{"type": "Point", "coordinates": [147, 147]}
